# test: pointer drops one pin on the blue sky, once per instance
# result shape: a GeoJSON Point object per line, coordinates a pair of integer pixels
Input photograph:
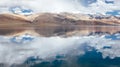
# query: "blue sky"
{"type": "Point", "coordinates": [114, 12]}
{"type": "Point", "coordinates": [87, 2]}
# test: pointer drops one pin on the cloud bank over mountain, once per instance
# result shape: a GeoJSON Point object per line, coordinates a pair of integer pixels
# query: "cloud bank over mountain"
{"type": "Point", "coordinates": [76, 6]}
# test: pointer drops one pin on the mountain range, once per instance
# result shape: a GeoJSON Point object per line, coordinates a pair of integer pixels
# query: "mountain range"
{"type": "Point", "coordinates": [57, 24]}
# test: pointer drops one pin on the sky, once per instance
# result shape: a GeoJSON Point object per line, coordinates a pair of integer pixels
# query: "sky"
{"type": "Point", "coordinates": [56, 6]}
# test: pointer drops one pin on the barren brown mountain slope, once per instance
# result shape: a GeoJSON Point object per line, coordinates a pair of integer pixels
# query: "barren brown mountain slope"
{"type": "Point", "coordinates": [50, 24]}
{"type": "Point", "coordinates": [10, 23]}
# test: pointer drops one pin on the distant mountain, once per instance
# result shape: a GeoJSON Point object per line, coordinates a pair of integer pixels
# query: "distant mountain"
{"type": "Point", "coordinates": [52, 24]}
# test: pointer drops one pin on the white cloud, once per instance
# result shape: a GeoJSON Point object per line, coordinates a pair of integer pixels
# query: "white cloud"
{"type": "Point", "coordinates": [59, 6]}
